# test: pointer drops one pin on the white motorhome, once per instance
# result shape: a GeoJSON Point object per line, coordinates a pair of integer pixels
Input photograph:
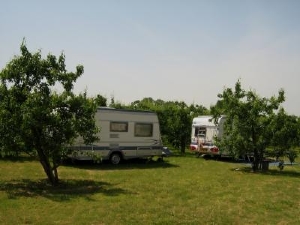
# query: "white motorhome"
{"type": "Point", "coordinates": [124, 134]}
{"type": "Point", "coordinates": [204, 132]}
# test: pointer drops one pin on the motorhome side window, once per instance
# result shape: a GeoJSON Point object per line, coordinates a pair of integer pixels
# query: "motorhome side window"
{"type": "Point", "coordinates": [143, 129]}
{"type": "Point", "coordinates": [118, 126]}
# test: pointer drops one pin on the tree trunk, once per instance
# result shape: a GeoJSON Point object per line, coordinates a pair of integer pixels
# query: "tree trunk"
{"type": "Point", "coordinates": [255, 161]}
{"type": "Point", "coordinates": [52, 174]}
{"type": "Point", "coordinates": [255, 151]}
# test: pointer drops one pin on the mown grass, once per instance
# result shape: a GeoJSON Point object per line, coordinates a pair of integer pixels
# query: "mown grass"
{"type": "Point", "coordinates": [181, 190]}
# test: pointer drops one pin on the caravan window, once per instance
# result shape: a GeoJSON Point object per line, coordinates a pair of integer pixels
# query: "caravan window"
{"type": "Point", "coordinates": [200, 132]}
{"type": "Point", "coordinates": [118, 126]}
{"type": "Point", "coordinates": [143, 129]}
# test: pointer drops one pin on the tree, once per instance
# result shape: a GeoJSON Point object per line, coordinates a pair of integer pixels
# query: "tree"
{"type": "Point", "coordinates": [247, 121]}
{"type": "Point", "coordinates": [101, 101]}
{"type": "Point", "coordinates": [284, 135]}
{"type": "Point", "coordinates": [36, 119]}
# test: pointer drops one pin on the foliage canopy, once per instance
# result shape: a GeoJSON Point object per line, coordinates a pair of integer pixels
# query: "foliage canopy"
{"type": "Point", "coordinates": [248, 118]}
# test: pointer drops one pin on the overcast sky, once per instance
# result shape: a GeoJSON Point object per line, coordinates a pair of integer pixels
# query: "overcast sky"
{"type": "Point", "coordinates": [173, 50]}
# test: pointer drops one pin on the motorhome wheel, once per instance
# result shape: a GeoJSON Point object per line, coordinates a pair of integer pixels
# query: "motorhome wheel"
{"type": "Point", "coordinates": [115, 158]}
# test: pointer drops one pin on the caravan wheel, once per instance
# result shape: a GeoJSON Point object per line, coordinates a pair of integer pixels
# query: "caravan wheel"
{"type": "Point", "coordinates": [115, 158]}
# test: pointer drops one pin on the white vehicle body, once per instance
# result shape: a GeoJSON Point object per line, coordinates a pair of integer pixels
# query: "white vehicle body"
{"type": "Point", "coordinates": [204, 132]}
{"type": "Point", "coordinates": [124, 134]}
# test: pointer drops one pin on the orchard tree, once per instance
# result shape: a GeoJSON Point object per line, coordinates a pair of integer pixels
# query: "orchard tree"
{"type": "Point", "coordinates": [246, 129]}
{"type": "Point", "coordinates": [101, 101]}
{"type": "Point", "coordinates": [198, 110]}
{"type": "Point", "coordinates": [175, 124]}
{"type": "Point", "coordinates": [34, 118]}
{"type": "Point", "coordinates": [284, 135]}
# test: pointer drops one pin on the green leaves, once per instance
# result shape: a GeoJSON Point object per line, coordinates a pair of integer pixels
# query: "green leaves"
{"type": "Point", "coordinates": [284, 133]}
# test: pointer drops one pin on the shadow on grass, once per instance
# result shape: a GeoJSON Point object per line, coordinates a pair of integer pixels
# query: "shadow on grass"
{"type": "Point", "coordinates": [270, 172]}
{"type": "Point", "coordinates": [64, 191]}
{"type": "Point", "coordinates": [21, 158]}
{"type": "Point", "coordinates": [124, 165]}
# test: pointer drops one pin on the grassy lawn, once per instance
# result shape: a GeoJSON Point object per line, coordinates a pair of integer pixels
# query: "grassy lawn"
{"type": "Point", "coordinates": [181, 190]}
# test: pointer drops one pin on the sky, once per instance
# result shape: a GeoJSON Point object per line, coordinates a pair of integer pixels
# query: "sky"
{"type": "Point", "coordinates": [174, 50]}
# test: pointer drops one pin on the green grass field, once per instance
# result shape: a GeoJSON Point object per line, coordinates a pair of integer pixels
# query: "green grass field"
{"type": "Point", "coordinates": [180, 190]}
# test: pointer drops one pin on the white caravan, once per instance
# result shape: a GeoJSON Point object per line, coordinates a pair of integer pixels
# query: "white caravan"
{"type": "Point", "coordinates": [124, 134]}
{"type": "Point", "coordinates": [204, 132]}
